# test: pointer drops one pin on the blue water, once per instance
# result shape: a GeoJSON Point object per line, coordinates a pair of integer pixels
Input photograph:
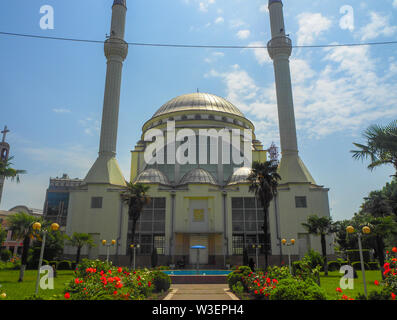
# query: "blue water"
{"type": "Point", "coordinates": [195, 272]}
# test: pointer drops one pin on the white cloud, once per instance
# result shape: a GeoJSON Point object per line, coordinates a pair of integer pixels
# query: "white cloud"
{"type": "Point", "coordinates": [219, 20]}
{"type": "Point", "coordinates": [203, 5]}
{"type": "Point", "coordinates": [346, 95]}
{"type": "Point", "coordinates": [378, 26]}
{"type": "Point", "coordinates": [214, 56]}
{"type": "Point", "coordinates": [61, 110]}
{"type": "Point", "coordinates": [237, 23]}
{"type": "Point", "coordinates": [91, 126]}
{"type": "Point", "coordinates": [264, 8]}
{"type": "Point", "coordinates": [261, 54]}
{"type": "Point", "coordinates": [395, 3]}
{"type": "Point", "coordinates": [311, 26]}
{"type": "Point", "coordinates": [243, 34]}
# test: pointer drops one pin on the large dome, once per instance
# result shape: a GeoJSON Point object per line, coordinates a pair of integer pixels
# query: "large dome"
{"type": "Point", "coordinates": [198, 101]}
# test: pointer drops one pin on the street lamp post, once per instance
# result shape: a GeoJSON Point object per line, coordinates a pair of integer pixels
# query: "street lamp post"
{"type": "Point", "coordinates": [37, 226]}
{"type": "Point", "coordinates": [365, 230]}
{"type": "Point", "coordinates": [292, 242]}
{"type": "Point", "coordinates": [134, 246]}
{"type": "Point", "coordinates": [108, 245]}
{"type": "Point", "coordinates": [256, 247]}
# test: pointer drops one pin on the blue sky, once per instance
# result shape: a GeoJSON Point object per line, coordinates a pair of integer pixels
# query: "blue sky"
{"type": "Point", "coordinates": [52, 91]}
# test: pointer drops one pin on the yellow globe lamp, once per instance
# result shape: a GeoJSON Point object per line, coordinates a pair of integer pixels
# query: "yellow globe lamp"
{"type": "Point", "coordinates": [283, 241]}
{"type": "Point", "coordinates": [104, 242]}
{"type": "Point", "coordinates": [366, 230]}
{"type": "Point", "coordinates": [131, 246]}
{"type": "Point", "coordinates": [36, 226]}
{"type": "Point", "coordinates": [55, 227]}
{"type": "Point", "coordinates": [292, 241]}
{"type": "Point", "coordinates": [350, 229]}
{"type": "Point", "coordinates": [113, 242]}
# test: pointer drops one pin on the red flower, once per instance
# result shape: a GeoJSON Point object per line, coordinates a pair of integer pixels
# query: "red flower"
{"type": "Point", "coordinates": [339, 289]}
{"type": "Point", "coordinates": [110, 271]}
{"type": "Point", "coordinates": [376, 282]}
{"type": "Point", "coordinates": [386, 266]}
{"type": "Point", "coordinates": [76, 281]}
{"type": "Point", "coordinates": [394, 249]}
{"type": "Point", "coordinates": [275, 281]}
{"type": "Point", "coordinates": [67, 295]}
{"type": "Point", "coordinates": [115, 292]}
{"type": "Point", "coordinates": [149, 283]}
{"type": "Point", "coordinates": [256, 291]}
{"type": "Point", "coordinates": [119, 270]}
{"type": "Point", "coordinates": [393, 296]}
{"type": "Point", "coordinates": [139, 284]}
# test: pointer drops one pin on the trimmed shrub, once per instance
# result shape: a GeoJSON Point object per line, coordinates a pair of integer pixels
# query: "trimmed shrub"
{"type": "Point", "coordinates": [64, 265]}
{"type": "Point", "coordinates": [237, 275]}
{"type": "Point", "coordinates": [334, 266]}
{"type": "Point", "coordinates": [161, 281]}
{"type": "Point", "coordinates": [357, 266]}
{"type": "Point", "coordinates": [354, 255]}
{"type": "Point", "coordinates": [373, 265]}
{"type": "Point", "coordinates": [293, 289]}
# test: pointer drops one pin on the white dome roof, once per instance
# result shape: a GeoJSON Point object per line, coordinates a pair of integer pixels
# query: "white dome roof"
{"type": "Point", "coordinates": [198, 101]}
{"type": "Point", "coordinates": [198, 175]}
{"type": "Point", "coordinates": [240, 176]}
{"type": "Point", "coordinates": [152, 176]}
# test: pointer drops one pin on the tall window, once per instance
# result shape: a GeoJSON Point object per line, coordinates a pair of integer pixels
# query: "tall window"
{"type": "Point", "coordinates": [150, 228]}
{"type": "Point", "coordinates": [247, 222]}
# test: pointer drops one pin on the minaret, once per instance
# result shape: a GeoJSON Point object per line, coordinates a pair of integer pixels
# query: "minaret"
{"type": "Point", "coordinates": [291, 167]}
{"type": "Point", "coordinates": [4, 154]}
{"type": "Point", "coordinates": [106, 169]}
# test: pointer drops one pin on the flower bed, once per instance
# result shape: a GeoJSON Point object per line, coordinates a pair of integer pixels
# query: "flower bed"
{"type": "Point", "coordinates": [97, 280]}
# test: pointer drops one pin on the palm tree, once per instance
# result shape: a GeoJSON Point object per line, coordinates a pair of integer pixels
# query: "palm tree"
{"type": "Point", "coordinates": [8, 172]}
{"type": "Point", "coordinates": [136, 198]}
{"type": "Point", "coordinates": [79, 240]}
{"type": "Point", "coordinates": [321, 226]}
{"type": "Point", "coordinates": [263, 182]}
{"type": "Point", "coordinates": [20, 224]}
{"type": "Point", "coordinates": [381, 147]}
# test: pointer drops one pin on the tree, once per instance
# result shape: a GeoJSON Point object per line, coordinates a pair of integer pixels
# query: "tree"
{"type": "Point", "coordinates": [321, 226]}
{"type": "Point", "coordinates": [8, 172]}
{"type": "Point", "coordinates": [377, 204]}
{"type": "Point", "coordinates": [381, 147]}
{"type": "Point", "coordinates": [53, 249]}
{"type": "Point", "coordinates": [263, 182]}
{"type": "Point", "coordinates": [79, 240]}
{"type": "Point", "coordinates": [390, 193]}
{"type": "Point", "coordinates": [21, 224]}
{"type": "Point", "coordinates": [136, 198]}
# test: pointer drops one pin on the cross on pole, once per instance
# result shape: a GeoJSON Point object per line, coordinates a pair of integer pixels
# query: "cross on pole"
{"type": "Point", "coordinates": [4, 132]}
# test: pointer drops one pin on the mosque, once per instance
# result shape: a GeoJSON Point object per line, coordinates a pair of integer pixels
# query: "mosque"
{"type": "Point", "coordinates": [203, 199]}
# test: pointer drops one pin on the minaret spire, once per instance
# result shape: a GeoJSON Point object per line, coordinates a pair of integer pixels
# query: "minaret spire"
{"type": "Point", "coordinates": [106, 168]}
{"type": "Point", "coordinates": [292, 168]}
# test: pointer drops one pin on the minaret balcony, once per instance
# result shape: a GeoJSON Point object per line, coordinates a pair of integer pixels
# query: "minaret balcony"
{"type": "Point", "coordinates": [279, 45]}
{"type": "Point", "coordinates": [116, 47]}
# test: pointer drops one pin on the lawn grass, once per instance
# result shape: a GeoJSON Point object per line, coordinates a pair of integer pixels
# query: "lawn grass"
{"type": "Point", "coordinates": [332, 281]}
{"type": "Point", "coordinates": [20, 290]}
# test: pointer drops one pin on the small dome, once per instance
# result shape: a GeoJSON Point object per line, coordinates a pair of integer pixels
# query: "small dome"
{"type": "Point", "coordinates": [198, 175]}
{"type": "Point", "coordinates": [240, 176]}
{"type": "Point", "coordinates": [198, 101]}
{"type": "Point", "coordinates": [152, 176]}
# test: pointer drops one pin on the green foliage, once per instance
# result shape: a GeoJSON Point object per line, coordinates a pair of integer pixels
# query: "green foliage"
{"type": "Point", "coordinates": [64, 265]}
{"type": "Point", "coordinates": [334, 266]}
{"type": "Point", "coordinates": [354, 255]}
{"type": "Point", "coordinates": [237, 275]}
{"type": "Point", "coordinates": [293, 289]}
{"type": "Point", "coordinates": [373, 265]}
{"type": "Point", "coordinates": [357, 266]}
{"type": "Point", "coordinates": [8, 172]}
{"type": "Point", "coordinates": [98, 280]}
{"type": "Point", "coordinates": [238, 288]}
{"type": "Point", "coordinates": [303, 271]}
{"type": "Point", "coordinates": [53, 249]}
{"type": "Point", "coordinates": [161, 281]}
{"type": "Point", "coordinates": [278, 273]}
{"type": "Point", "coordinates": [5, 255]}
{"type": "Point", "coordinates": [383, 294]}
{"type": "Point", "coordinates": [314, 259]}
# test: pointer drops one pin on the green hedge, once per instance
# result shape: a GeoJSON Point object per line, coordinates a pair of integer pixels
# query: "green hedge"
{"type": "Point", "coordinates": [334, 266]}
{"type": "Point", "coordinates": [357, 266]}
{"type": "Point", "coordinates": [354, 255]}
